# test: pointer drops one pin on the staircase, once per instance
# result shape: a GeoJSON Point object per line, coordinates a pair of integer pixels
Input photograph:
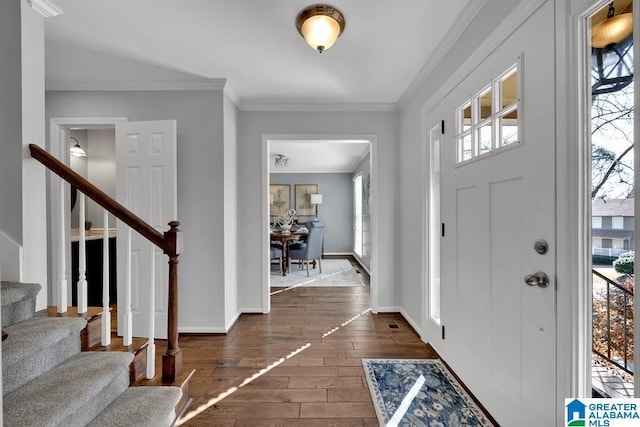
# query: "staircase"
{"type": "Point", "coordinates": [48, 381]}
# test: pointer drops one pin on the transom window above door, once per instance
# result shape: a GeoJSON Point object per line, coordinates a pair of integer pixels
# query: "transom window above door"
{"type": "Point", "coordinates": [489, 121]}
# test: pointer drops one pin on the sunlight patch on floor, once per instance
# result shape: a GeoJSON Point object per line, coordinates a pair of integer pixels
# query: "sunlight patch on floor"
{"type": "Point", "coordinates": [200, 409]}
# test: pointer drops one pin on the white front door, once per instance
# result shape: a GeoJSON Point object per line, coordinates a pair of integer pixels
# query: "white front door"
{"type": "Point", "coordinates": [146, 183]}
{"type": "Point", "coordinates": [498, 199]}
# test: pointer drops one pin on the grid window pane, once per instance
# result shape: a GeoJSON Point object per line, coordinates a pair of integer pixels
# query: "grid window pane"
{"type": "Point", "coordinates": [486, 102]}
{"type": "Point", "coordinates": [466, 153]}
{"type": "Point", "coordinates": [617, 223]}
{"type": "Point", "coordinates": [510, 89]}
{"type": "Point", "coordinates": [485, 138]}
{"type": "Point", "coordinates": [596, 222]}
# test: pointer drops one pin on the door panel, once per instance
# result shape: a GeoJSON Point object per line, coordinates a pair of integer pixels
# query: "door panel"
{"type": "Point", "coordinates": [501, 332]}
{"type": "Point", "coordinates": [146, 184]}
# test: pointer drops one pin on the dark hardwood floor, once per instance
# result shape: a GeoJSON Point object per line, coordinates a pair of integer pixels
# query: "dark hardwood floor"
{"type": "Point", "coordinates": [299, 365]}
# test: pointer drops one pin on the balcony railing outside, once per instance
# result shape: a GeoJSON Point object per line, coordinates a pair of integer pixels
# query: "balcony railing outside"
{"type": "Point", "coordinates": [608, 251]}
{"type": "Point", "coordinates": [613, 321]}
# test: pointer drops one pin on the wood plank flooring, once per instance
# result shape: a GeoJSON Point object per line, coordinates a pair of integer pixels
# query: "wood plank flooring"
{"type": "Point", "coordinates": [299, 365]}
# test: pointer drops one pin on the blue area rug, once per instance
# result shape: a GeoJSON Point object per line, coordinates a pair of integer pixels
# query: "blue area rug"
{"type": "Point", "coordinates": [419, 393]}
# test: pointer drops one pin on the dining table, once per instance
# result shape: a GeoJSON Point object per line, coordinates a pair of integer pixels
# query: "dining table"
{"type": "Point", "coordinates": [285, 238]}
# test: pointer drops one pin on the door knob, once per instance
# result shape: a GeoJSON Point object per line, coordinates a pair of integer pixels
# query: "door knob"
{"type": "Point", "coordinates": [537, 279]}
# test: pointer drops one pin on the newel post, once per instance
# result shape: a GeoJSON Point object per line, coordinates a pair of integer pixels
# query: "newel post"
{"type": "Point", "coordinates": [172, 359]}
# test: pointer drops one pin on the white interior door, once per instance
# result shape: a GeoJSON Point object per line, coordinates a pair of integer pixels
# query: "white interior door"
{"type": "Point", "coordinates": [501, 332]}
{"type": "Point", "coordinates": [146, 183]}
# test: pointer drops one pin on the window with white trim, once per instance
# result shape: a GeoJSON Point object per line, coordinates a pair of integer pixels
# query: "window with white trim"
{"type": "Point", "coordinates": [489, 121]}
{"type": "Point", "coordinates": [617, 222]}
{"type": "Point", "coordinates": [596, 222]}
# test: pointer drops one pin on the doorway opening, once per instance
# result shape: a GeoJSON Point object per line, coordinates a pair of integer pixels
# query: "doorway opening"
{"type": "Point", "coordinates": [98, 166]}
{"type": "Point", "coordinates": [613, 177]}
{"type": "Point", "coordinates": [313, 175]}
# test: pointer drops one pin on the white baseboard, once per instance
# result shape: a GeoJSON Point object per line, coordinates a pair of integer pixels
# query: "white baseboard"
{"type": "Point", "coordinates": [389, 309]}
{"type": "Point", "coordinates": [413, 324]}
{"type": "Point", "coordinates": [257, 310]}
{"type": "Point", "coordinates": [364, 267]}
{"type": "Point", "coordinates": [232, 322]}
{"type": "Point", "coordinates": [200, 330]}
{"type": "Point", "coordinates": [356, 257]}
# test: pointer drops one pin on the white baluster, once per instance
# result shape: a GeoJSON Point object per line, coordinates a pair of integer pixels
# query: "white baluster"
{"type": "Point", "coordinates": [62, 279]}
{"type": "Point", "coordinates": [106, 313]}
{"type": "Point", "coordinates": [127, 318]}
{"type": "Point", "coordinates": [82, 259]}
{"type": "Point", "coordinates": [151, 348]}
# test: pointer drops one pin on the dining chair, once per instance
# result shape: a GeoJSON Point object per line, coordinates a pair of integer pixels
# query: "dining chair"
{"type": "Point", "coordinates": [311, 249]}
{"type": "Point", "coordinates": [276, 253]}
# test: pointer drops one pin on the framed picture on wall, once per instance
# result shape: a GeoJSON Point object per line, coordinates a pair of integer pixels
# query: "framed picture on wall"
{"type": "Point", "coordinates": [303, 199]}
{"type": "Point", "coordinates": [279, 199]}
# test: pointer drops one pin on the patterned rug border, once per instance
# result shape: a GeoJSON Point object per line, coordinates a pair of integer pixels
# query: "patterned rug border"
{"type": "Point", "coordinates": [378, 401]}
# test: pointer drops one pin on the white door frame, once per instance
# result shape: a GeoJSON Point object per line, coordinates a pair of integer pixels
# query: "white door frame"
{"type": "Point", "coordinates": [264, 211]}
{"type": "Point", "coordinates": [59, 147]}
{"type": "Point", "coordinates": [574, 187]}
{"type": "Point", "coordinates": [577, 187]}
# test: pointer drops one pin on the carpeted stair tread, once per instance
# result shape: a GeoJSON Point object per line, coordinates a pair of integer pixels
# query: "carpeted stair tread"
{"type": "Point", "coordinates": [142, 407]}
{"type": "Point", "coordinates": [37, 345]}
{"type": "Point", "coordinates": [72, 393]}
{"type": "Point", "coordinates": [18, 301]}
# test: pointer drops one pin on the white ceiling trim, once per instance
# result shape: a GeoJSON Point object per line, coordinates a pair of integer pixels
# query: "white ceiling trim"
{"type": "Point", "coordinates": [45, 8]}
{"type": "Point", "coordinates": [208, 84]}
{"type": "Point", "coordinates": [276, 170]}
{"type": "Point", "coordinates": [318, 107]}
{"type": "Point", "coordinates": [445, 44]}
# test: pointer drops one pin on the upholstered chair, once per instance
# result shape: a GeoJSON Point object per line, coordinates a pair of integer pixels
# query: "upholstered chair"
{"type": "Point", "coordinates": [276, 253]}
{"type": "Point", "coordinates": [312, 249]}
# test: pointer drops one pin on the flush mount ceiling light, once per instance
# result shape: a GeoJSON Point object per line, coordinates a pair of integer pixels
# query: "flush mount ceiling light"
{"type": "Point", "coordinates": [320, 25]}
{"type": "Point", "coordinates": [76, 150]}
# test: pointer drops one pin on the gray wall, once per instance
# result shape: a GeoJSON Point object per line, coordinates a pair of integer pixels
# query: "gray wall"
{"type": "Point", "coordinates": [336, 209]}
{"type": "Point", "coordinates": [383, 126]}
{"type": "Point", "coordinates": [11, 120]}
{"type": "Point", "coordinates": [22, 188]}
{"type": "Point", "coordinates": [199, 115]}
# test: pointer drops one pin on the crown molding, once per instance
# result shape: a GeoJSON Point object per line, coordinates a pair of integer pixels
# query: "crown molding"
{"type": "Point", "coordinates": [45, 8]}
{"type": "Point", "coordinates": [317, 107]}
{"type": "Point", "coordinates": [97, 85]}
{"type": "Point", "coordinates": [447, 42]}
{"type": "Point", "coordinates": [213, 84]}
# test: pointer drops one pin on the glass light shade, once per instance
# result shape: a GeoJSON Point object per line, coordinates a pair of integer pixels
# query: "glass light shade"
{"type": "Point", "coordinates": [613, 30]}
{"type": "Point", "coordinates": [320, 32]}
{"type": "Point", "coordinates": [77, 151]}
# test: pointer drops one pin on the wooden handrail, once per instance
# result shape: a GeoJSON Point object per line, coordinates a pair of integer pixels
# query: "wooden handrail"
{"type": "Point", "coordinates": [97, 195]}
{"type": "Point", "coordinates": [170, 242]}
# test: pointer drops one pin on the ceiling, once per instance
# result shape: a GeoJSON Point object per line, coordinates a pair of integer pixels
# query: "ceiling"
{"type": "Point", "coordinates": [318, 156]}
{"type": "Point", "coordinates": [254, 45]}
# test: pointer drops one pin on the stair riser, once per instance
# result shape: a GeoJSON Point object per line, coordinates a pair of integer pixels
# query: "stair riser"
{"type": "Point", "coordinates": [91, 409]}
{"type": "Point", "coordinates": [34, 365]}
{"type": "Point", "coordinates": [18, 311]}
